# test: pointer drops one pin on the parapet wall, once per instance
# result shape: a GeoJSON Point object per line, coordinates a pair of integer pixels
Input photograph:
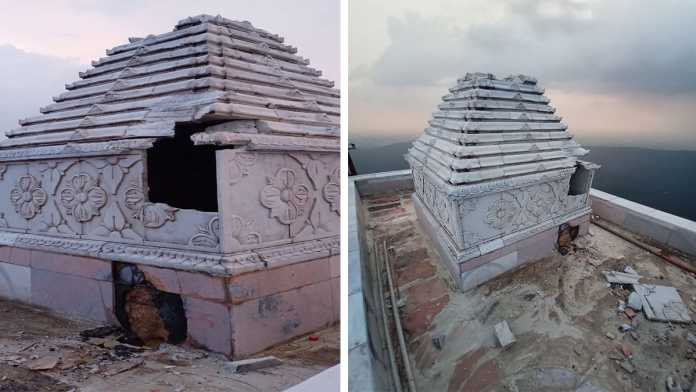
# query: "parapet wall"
{"type": "Point", "coordinates": [662, 227]}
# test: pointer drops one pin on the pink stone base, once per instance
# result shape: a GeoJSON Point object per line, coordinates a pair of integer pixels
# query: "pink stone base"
{"type": "Point", "coordinates": [481, 269]}
{"type": "Point", "coordinates": [236, 316]}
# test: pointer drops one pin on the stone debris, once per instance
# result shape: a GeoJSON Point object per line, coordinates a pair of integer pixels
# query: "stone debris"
{"type": "Point", "coordinates": [630, 270]}
{"type": "Point", "coordinates": [439, 341]}
{"type": "Point", "coordinates": [673, 385]}
{"type": "Point", "coordinates": [662, 303]}
{"type": "Point", "coordinates": [626, 327]}
{"type": "Point", "coordinates": [628, 367]}
{"type": "Point", "coordinates": [248, 365]}
{"type": "Point", "coordinates": [621, 277]}
{"type": "Point", "coordinates": [630, 313]}
{"type": "Point", "coordinates": [44, 363]}
{"type": "Point", "coordinates": [634, 301]}
{"type": "Point", "coordinates": [504, 335]}
{"type": "Point", "coordinates": [611, 335]}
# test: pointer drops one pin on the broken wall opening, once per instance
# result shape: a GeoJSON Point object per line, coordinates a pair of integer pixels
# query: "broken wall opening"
{"type": "Point", "coordinates": [151, 315]}
{"type": "Point", "coordinates": [181, 174]}
{"type": "Point", "coordinates": [580, 181]}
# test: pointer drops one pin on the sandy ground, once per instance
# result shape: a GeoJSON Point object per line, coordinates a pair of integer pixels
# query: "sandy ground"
{"type": "Point", "coordinates": [560, 309]}
{"type": "Point", "coordinates": [31, 339]}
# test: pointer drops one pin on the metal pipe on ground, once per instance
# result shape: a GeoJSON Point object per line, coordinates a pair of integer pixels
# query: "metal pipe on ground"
{"type": "Point", "coordinates": [385, 320]}
{"type": "Point", "coordinates": [397, 321]}
{"type": "Point", "coordinates": [670, 258]}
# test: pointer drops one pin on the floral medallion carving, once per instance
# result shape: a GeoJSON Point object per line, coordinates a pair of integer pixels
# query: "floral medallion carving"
{"type": "Point", "coordinates": [153, 215]}
{"type": "Point", "coordinates": [28, 197]}
{"type": "Point", "coordinates": [207, 236]}
{"type": "Point", "coordinates": [239, 165]}
{"type": "Point", "coordinates": [284, 197]}
{"type": "Point", "coordinates": [83, 197]}
{"type": "Point", "coordinates": [332, 190]}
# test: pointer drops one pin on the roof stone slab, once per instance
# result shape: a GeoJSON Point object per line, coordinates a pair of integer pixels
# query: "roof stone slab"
{"type": "Point", "coordinates": [490, 129]}
{"type": "Point", "coordinates": [207, 70]}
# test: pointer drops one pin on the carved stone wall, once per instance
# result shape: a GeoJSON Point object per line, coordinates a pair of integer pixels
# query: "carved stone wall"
{"type": "Point", "coordinates": [97, 198]}
{"type": "Point", "coordinates": [274, 198]}
{"type": "Point", "coordinates": [471, 221]}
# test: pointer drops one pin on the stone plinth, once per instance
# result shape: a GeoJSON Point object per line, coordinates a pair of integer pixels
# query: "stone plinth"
{"type": "Point", "coordinates": [496, 167]}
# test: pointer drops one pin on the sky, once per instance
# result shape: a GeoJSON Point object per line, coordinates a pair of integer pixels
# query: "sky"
{"type": "Point", "coordinates": [44, 44]}
{"type": "Point", "coordinates": [620, 72]}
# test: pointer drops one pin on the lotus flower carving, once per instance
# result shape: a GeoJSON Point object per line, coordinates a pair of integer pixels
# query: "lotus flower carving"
{"type": "Point", "coordinates": [28, 197]}
{"type": "Point", "coordinates": [83, 197]}
{"type": "Point", "coordinates": [284, 197]}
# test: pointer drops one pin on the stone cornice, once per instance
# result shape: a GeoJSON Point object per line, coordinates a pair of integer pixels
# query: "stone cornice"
{"type": "Point", "coordinates": [115, 147]}
{"type": "Point", "coordinates": [188, 260]}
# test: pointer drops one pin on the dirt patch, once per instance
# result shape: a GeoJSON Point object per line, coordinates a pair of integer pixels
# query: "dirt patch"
{"type": "Point", "coordinates": [18, 379]}
{"type": "Point", "coordinates": [565, 316]}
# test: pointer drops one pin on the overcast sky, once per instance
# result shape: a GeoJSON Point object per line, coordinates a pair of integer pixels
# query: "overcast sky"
{"type": "Point", "coordinates": [618, 71]}
{"type": "Point", "coordinates": [44, 44]}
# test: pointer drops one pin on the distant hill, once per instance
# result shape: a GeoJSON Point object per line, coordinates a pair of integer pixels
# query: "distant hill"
{"type": "Point", "coordinates": [661, 179]}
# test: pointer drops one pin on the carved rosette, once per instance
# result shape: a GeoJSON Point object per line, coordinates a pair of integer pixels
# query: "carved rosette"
{"type": "Point", "coordinates": [28, 197]}
{"type": "Point", "coordinates": [332, 190]}
{"type": "Point", "coordinates": [83, 197]}
{"type": "Point", "coordinates": [284, 197]}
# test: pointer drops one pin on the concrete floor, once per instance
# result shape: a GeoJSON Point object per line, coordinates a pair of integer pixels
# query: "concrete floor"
{"type": "Point", "coordinates": [560, 309]}
{"type": "Point", "coordinates": [29, 337]}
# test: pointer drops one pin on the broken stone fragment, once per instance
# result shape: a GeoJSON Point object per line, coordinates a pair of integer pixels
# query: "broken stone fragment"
{"type": "Point", "coordinates": [439, 341]}
{"type": "Point", "coordinates": [504, 335]}
{"type": "Point", "coordinates": [673, 385]}
{"type": "Point", "coordinates": [634, 301]}
{"type": "Point", "coordinates": [628, 367]}
{"type": "Point", "coordinates": [247, 365]}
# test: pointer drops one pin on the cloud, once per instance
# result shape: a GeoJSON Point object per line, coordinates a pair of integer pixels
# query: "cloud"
{"type": "Point", "coordinates": [29, 81]}
{"type": "Point", "coordinates": [615, 46]}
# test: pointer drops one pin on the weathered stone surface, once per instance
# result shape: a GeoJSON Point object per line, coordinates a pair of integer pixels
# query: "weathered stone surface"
{"type": "Point", "coordinates": [15, 282]}
{"type": "Point", "coordinates": [209, 325]}
{"type": "Point", "coordinates": [59, 292]}
{"type": "Point", "coordinates": [493, 168]}
{"type": "Point", "coordinates": [470, 375]}
{"type": "Point", "coordinates": [262, 322]}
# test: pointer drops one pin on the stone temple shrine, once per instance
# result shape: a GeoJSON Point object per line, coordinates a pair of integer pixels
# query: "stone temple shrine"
{"type": "Point", "coordinates": [186, 187]}
{"type": "Point", "coordinates": [496, 176]}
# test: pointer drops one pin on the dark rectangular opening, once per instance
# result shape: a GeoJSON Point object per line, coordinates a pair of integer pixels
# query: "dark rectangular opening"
{"type": "Point", "coordinates": [182, 175]}
{"type": "Point", "coordinates": [580, 181]}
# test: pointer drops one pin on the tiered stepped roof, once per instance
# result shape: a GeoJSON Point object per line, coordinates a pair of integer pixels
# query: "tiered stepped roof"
{"type": "Point", "coordinates": [208, 69]}
{"type": "Point", "coordinates": [488, 128]}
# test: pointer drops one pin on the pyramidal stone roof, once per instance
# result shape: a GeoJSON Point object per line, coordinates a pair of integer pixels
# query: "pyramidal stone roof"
{"type": "Point", "coordinates": [488, 128]}
{"type": "Point", "coordinates": [207, 70]}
